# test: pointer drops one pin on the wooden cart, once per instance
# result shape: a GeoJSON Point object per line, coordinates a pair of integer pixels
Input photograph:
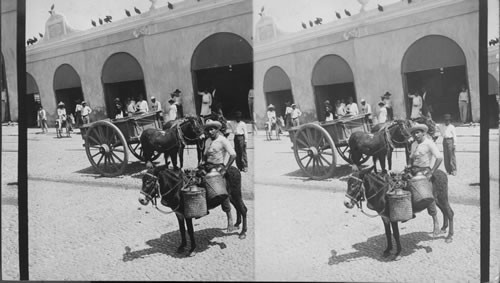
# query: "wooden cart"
{"type": "Point", "coordinates": [314, 144]}
{"type": "Point", "coordinates": [106, 141]}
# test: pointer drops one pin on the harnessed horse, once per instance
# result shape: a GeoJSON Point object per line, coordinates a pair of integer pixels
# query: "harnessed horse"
{"type": "Point", "coordinates": [372, 188]}
{"type": "Point", "coordinates": [379, 144]}
{"type": "Point", "coordinates": [170, 141]}
{"type": "Point", "coordinates": [166, 184]}
{"type": "Point", "coordinates": [191, 136]}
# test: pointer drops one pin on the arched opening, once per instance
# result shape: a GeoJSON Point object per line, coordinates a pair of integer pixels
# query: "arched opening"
{"type": "Point", "coordinates": [122, 78]}
{"type": "Point", "coordinates": [5, 92]}
{"type": "Point", "coordinates": [493, 100]}
{"type": "Point", "coordinates": [277, 89]}
{"type": "Point", "coordinates": [438, 64]}
{"type": "Point", "coordinates": [32, 101]}
{"type": "Point", "coordinates": [224, 61]}
{"type": "Point", "coordinates": [67, 87]}
{"type": "Point", "coordinates": [332, 80]}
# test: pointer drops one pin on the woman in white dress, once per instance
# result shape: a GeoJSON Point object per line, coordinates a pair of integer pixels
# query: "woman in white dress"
{"type": "Point", "coordinates": [416, 105]}
{"type": "Point", "coordinates": [206, 102]}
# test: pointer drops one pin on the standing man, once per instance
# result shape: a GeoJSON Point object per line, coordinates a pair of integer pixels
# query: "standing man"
{"type": "Point", "coordinates": [250, 102]}
{"type": "Point", "coordinates": [366, 109]}
{"type": "Point", "coordinates": [463, 103]}
{"type": "Point", "coordinates": [172, 110]}
{"type": "Point", "coordinates": [155, 105]}
{"type": "Point", "coordinates": [78, 114]}
{"type": "Point", "coordinates": [176, 95]}
{"type": "Point", "coordinates": [217, 147]}
{"type": "Point", "coordinates": [351, 107]}
{"type": "Point", "coordinates": [416, 105]}
{"type": "Point", "coordinates": [382, 113]}
{"type": "Point", "coordinates": [449, 142]}
{"type": "Point", "coordinates": [206, 103]}
{"type": "Point", "coordinates": [296, 113]}
{"type": "Point", "coordinates": [288, 115]}
{"type": "Point", "coordinates": [426, 107]}
{"type": "Point", "coordinates": [388, 105]}
{"type": "Point", "coordinates": [42, 119]}
{"type": "Point", "coordinates": [240, 141]}
{"type": "Point", "coordinates": [86, 110]}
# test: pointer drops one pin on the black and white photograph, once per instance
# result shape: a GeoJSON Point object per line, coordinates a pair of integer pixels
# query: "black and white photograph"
{"type": "Point", "coordinates": [250, 140]}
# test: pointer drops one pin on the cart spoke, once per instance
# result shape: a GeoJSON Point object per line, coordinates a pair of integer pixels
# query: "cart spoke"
{"type": "Point", "coordinates": [298, 140]}
{"type": "Point", "coordinates": [303, 138]}
{"type": "Point", "coordinates": [94, 140]}
{"type": "Point", "coordinates": [302, 158]}
{"type": "Point", "coordinates": [327, 153]}
{"type": "Point", "coordinates": [96, 154]}
{"type": "Point", "coordinates": [100, 159]}
{"type": "Point", "coordinates": [113, 162]}
{"type": "Point", "coordinates": [326, 161]}
{"type": "Point", "coordinates": [119, 159]}
{"type": "Point", "coordinates": [308, 162]}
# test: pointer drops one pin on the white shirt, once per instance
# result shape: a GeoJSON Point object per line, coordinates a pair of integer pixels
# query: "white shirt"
{"type": "Point", "coordinates": [340, 110]}
{"type": "Point", "coordinates": [463, 96]}
{"type": "Point", "coordinates": [172, 112]}
{"type": "Point", "coordinates": [288, 110]}
{"type": "Point", "coordinates": [382, 115]}
{"type": "Point", "coordinates": [352, 109]}
{"type": "Point", "coordinates": [142, 106]}
{"type": "Point", "coordinates": [42, 114]}
{"type": "Point", "coordinates": [447, 131]}
{"type": "Point", "coordinates": [423, 154]}
{"type": "Point", "coordinates": [156, 106]}
{"type": "Point", "coordinates": [239, 128]}
{"type": "Point", "coordinates": [216, 150]}
{"type": "Point", "coordinates": [271, 116]}
{"type": "Point", "coordinates": [295, 113]}
{"type": "Point", "coordinates": [78, 107]}
{"type": "Point", "coordinates": [86, 110]}
{"type": "Point", "coordinates": [366, 109]}
{"type": "Point", "coordinates": [61, 113]}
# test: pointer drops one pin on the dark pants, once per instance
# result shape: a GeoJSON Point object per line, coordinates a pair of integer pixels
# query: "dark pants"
{"type": "Point", "coordinates": [450, 162]}
{"type": "Point", "coordinates": [390, 114]}
{"type": "Point", "coordinates": [180, 112]}
{"type": "Point", "coordinates": [78, 118]}
{"type": "Point", "coordinates": [241, 152]}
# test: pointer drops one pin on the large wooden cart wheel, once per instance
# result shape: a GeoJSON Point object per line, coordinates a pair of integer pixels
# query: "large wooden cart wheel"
{"type": "Point", "coordinates": [314, 151]}
{"type": "Point", "coordinates": [105, 147]}
{"type": "Point", "coordinates": [345, 152]}
{"type": "Point", "coordinates": [136, 150]}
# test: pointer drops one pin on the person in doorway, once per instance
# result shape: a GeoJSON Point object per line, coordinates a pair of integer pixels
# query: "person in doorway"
{"type": "Point", "coordinates": [449, 135]}
{"type": "Point", "coordinates": [250, 102]}
{"type": "Point", "coordinates": [367, 110]}
{"type": "Point", "coordinates": [296, 113]}
{"type": "Point", "coordinates": [463, 103]}
{"type": "Point", "coordinates": [61, 115]}
{"type": "Point", "coordinates": [131, 105]}
{"type": "Point", "coordinates": [339, 109]}
{"type": "Point", "coordinates": [176, 95]}
{"type": "Point", "coordinates": [78, 113]}
{"type": "Point", "coordinates": [271, 117]}
{"type": "Point", "coordinates": [351, 107]}
{"type": "Point", "coordinates": [42, 119]}
{"type": "Point", "coordinates": [119, 112]}
{"type": "Point", "coordinates": [416, 105]}
{"type": "Point", "coordinates": [155, 104]}
{"type": "Point", "coordinates": [386, 98]}
{"type": "Point", "coordinates": [86, 110]}
{"type": "Point", "coordinates": [382, 113]}
{"type": "Point", "coordinates": [426, 106]}
{"type": "Point", "coordinates": [240, 141]}
{"type": "Point", "coordinates": [329, 113]}
{"type": "Point", "coordinates": [142, 105]}
{"type": "Point", "coordinates": [288, 115]}
{"type": "Point", "coordinates": [172, 110]}
{"type": "Point", "coordinates": [206, 103]}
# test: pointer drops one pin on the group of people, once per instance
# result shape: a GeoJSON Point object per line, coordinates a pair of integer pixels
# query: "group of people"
{"type": "Point", "coordinates": [82, 116]}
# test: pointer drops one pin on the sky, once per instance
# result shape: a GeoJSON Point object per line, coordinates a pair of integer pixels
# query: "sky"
{"type": "Point", "coordinates": [288, 14]}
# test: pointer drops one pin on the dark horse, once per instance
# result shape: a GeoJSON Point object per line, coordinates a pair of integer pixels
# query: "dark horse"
{"type": "Point", "coordinates": [170, 140]}
{"type": "Point", "coordinates": [166, 184]}
{"type": "Point", "coordinates": [364, 185]}
{"type": "Point", "coordinates": [191, 136]}
{"type": "Point", "coordinates": [379, 144]}
{"type": "Point", "coordinates": [401, 139]}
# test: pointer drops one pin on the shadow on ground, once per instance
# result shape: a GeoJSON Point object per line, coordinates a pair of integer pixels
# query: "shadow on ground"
{"type": "Point", "coordinates": [168, 243]}
{"type": "Point", "coordinates": [340, 171]}
{"type": "Point", "coordinates": [134, 169]}
{"type": "Point", "coordinates": [375, 246]}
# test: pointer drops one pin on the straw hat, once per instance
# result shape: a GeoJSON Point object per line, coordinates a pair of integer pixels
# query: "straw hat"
{"type": "Point", "coordinates": [60, 104]}
{"type": "Point", "coordinates": [419, 127]}
{"type": "Point", "coordinates": [212, 124]}
{"type": "Point", "coordinates": [270, 106]}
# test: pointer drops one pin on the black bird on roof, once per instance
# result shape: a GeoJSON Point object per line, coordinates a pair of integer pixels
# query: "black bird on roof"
{"type": "Point", "coordinates": [261, 11]}
{"type": "Point", "coordinates": [35, 39]}
{"type": "Point", "coordinates": [338, 15]}
{"type": "Point", "coordinates": [93, 23]}
{"type": "Point", "coordinates": [170, 6]}
{"type": "Point", "coordinates": [318, 21]}
{"type": "Point", "coordinates": [51, 9]}
{"type": "Point", "coordinates": [304, 25]}
{"type": "Point", "coordinates": [28, 42]}
{"type": "Point", "coordinates": [127, 12]}
{"type": "Point", "coordinates": [41, 35]}
{"type": "Point", "coordinates": [311, 23]}
{"type": "Point", "coordinates": [347, 13]}
{"type": "Point", "coordinates": [100, 21]}
{"type": "Point", "coordinates": [380, 8]}
{"type": "Point", "coordinates": [137, 10]}
{"type": "Point", "coordinates": [109, 17]}
{"type": "Point", "coordinates": [107, 20]}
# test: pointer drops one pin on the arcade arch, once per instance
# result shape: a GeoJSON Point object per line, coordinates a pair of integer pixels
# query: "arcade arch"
{"type": "Point", "coordinates": [224, 61]}
{"type": "Point", "coordinates": [67, 87]}
{"type": "Point", "coordinates": [33, 100]}
{"type": "Point", "coordinates": [122, 78]}
{"type": "Point", "coordinates": [437, 63]}
{"type": "Point", "coordinates": [277, 89]}
{"type": "Point", "coordinates": [332, 79]}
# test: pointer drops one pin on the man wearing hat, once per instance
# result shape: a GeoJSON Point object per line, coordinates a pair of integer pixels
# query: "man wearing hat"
{"type": "Point", "coordinates": [172, 110]}
{"type": "Point", "coordinates": [367, 110]}
{"type": "Point", "coordinates": [288, 114]}
{"type": "Point", "coordinates": [155, 104]}
{"type": "Point", "coordinates": [176, 95]}
{"type": "Point", "coordinates": [240, 141]}
{"type": "Point", "coordinates": [217, 147]}
{"type": "Point", "coordinates": [424, 153]}
{"type": "Point", "coordinates": [142, 105]}
{"type": "Point", "coordinates": [386, 98]}
{"type": "Point", "coordinates": [61, 115]}
{"type": "Point", "coordinates": [78, 113]}
{"type": "Point", "coordinates": [449, 141]}
{"type": "Point", "coordinates": [86, 110]}
{"type": "Point", "coordinates": [382, 113]}
{"type": "Point", "coordinates": [296, 113]}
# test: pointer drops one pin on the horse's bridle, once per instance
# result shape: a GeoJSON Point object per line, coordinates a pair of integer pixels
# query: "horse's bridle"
{"type": "Point", "coordinates": [361, 195]}
{"type": "Point", "coordinates": [156, 193]}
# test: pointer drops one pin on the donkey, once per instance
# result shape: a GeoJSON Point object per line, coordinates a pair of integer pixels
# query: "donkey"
{"type": "Point", "coordinates": [166, 184]}
{"type": "Point", "coordinates": [364, 185]}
